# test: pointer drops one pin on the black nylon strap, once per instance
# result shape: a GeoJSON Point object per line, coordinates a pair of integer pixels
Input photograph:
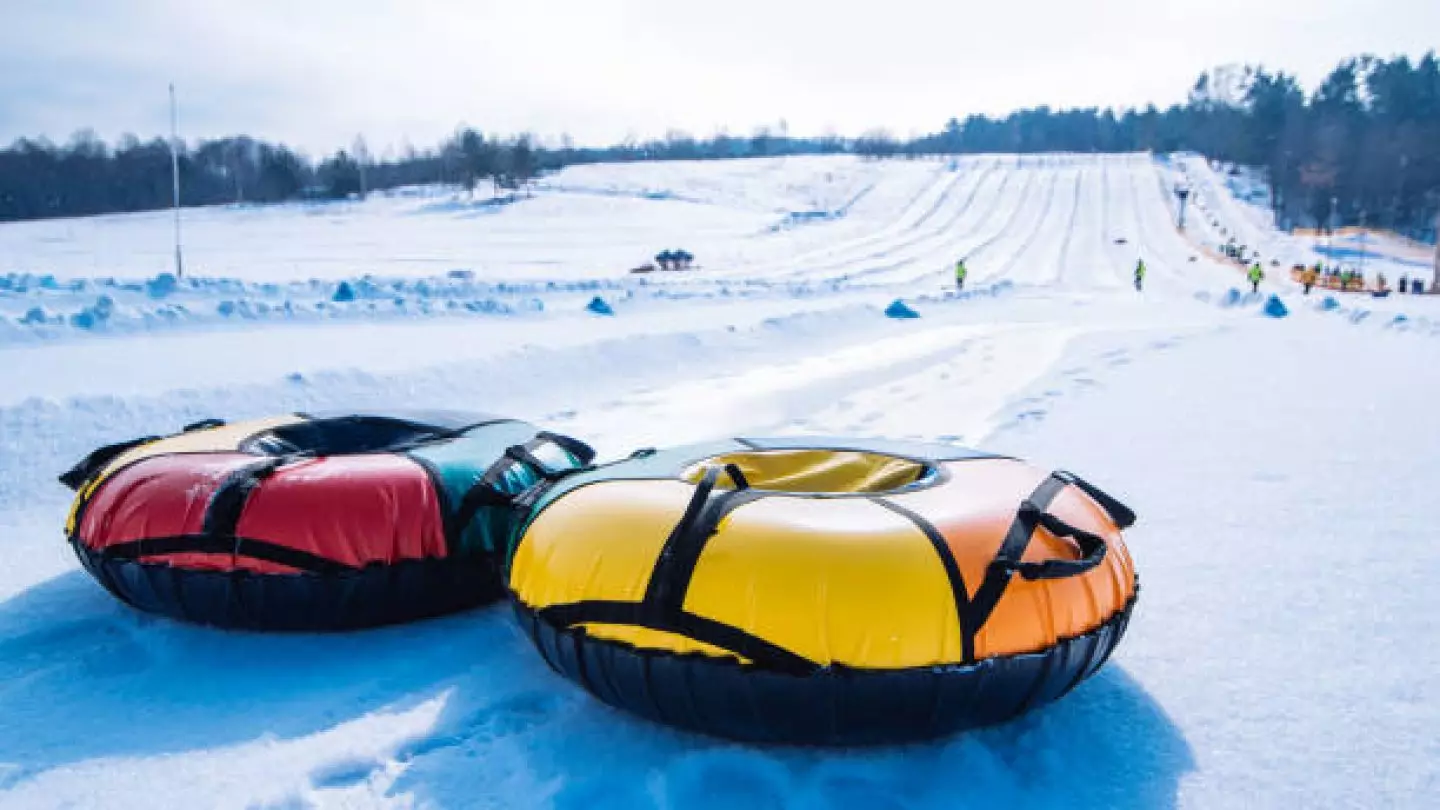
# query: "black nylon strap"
{"type": "Point", "coordinates": [222, 515]}
{"type": "Point", "coordinates": [215, 544]}
{"type": "Point", "coordinates": [1122, 515]}
{"type": "Point", "coordinates": [657, 591]}
{"type": "Point", "coordinates": [699, 628]}
{"type": "Point", "coordinates": [1012, 548]}
{"type": "Point", "coordinates": [203, 424]}
{"type": "Point", "coordinates": [736, 475]}
{"type": "Point", "coordinates": [675, 565]}
{"type": "Point", "coordinates": [478, 497]}
{"type": "Point", "coordinates": [86, 468]}
{"type": "Point", "coordinates": [582, 452]}
{"type": "Point", "coordinates": [1092, 548]}
{"type": "Point", "coordinates": [598, 611]}
{"type": "Point", "coordinates": [525, 454]}
{"type": "Point", "coordinates": [675, 579]}
{"type": "Point", "coordinates": [485, 492]}
{"type": "Point", "coordinates": [952, 574]}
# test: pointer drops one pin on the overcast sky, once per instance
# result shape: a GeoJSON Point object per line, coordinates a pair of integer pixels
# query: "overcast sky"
{"type": "Point", "coordinates": [314, 73]}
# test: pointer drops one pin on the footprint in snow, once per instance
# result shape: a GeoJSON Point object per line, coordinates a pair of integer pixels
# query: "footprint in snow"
{"type": "Point", "coordinates": [292, 802]}
{"type": "Point", "coordinates": [509, 717]}
{"type": "Point", "coordinates": [343, 773]}
{"type": "Point", "coordinates": [12, 774]}
{"type": "Point", "coordinates": [99, 648]}
{"type": "Point", "coordinates": [725, 778]}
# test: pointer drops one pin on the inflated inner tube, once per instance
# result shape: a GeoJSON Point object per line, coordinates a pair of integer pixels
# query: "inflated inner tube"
{"type": "Point", "coordinates": [312, 522]}
{"type": "Point", "coordinates": [836, 592]}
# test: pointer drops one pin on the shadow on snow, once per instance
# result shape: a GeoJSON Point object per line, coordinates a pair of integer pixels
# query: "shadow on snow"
{"type": "Point", "coordinates": [82, 677]}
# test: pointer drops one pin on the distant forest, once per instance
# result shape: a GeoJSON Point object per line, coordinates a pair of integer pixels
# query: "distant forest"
{"type": "Point", "coordinates": [1368, 137]}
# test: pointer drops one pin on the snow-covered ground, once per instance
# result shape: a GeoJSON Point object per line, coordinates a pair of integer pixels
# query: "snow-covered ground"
{"type": "Point", "coordinates": [1282, 654]}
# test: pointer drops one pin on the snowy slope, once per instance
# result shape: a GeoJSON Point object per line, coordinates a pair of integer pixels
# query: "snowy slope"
{"type": "Point", "coordinates": [1280, 469]}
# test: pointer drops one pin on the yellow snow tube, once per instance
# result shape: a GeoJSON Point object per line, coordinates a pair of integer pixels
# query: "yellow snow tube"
{"type": "Point", "coordinates": [855, 591]}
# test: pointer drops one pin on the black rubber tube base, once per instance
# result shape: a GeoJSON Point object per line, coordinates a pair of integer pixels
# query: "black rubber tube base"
{"type": "Point", "coordinates": [831, 706]}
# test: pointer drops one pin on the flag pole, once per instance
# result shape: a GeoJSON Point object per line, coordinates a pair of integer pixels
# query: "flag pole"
{"type": "Point", "coordinates": [175, 179]}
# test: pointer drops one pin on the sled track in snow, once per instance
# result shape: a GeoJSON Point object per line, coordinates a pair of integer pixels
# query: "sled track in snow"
{"type": "Point", "coordinates": [912, 236]}
{"type": "Point", "coordinates": [1010, 222]}
{"type": "Point", "coordinates": [1070, 227]}
{"type": "Point", "coordinates": [896, 233]}
{"type": "Point", "coordinates": [1027, 242]}
{"type": "Point", "coordinates": [924, 241]}
{"type": "Point", "coordinates": [978, 227]}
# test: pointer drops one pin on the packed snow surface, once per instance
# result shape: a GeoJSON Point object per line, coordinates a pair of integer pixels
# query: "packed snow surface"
{"type": "Point", "coordinates": [1282, 653]}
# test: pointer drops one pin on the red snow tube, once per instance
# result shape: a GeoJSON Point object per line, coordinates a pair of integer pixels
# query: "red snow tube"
{"type": "Point", "coordinates": [312, 523]}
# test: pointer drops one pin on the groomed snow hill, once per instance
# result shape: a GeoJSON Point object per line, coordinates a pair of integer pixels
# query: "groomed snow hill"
{"type": "Point", "coordinates": [1283, 654]}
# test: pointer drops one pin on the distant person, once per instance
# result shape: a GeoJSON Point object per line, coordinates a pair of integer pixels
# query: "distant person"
{"type": "Point", "coordinates": [960, 274]}
{"type": "Point", "coordinates": [1380, 282]}
{"type": "Point", "coordinates": [1257, 274]}
{"type": "Point", "coordinates": [1417, 286]}
{"type": "Point", "coordinates": [1404, 285]}
{"type": "Point", "coordinates": [1308, 277]}
{"type": "Point", "coordinates": [1139, 275]}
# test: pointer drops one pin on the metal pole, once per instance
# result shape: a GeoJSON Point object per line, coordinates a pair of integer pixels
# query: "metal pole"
{"type": "Point", "coordinates": [1363, 241]}
{"type": "Point", "coordinates": [1435, 277]}
{"type": "Point", "coordinates": [1330, 231]}
{"type": "Point", "coordinates": [175, 178]}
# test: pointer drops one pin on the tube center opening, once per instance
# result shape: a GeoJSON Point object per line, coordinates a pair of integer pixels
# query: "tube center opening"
{"type": "Point", "coordinates": [820, 472]}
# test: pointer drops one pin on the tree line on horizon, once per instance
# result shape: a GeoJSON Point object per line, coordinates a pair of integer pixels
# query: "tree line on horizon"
{"type": "Point", "coordinates": [1363, 146]}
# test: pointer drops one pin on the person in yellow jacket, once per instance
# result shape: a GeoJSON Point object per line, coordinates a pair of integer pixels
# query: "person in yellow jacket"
{"type": "Point", "coordinates": [960, 273]}
{"type": "Point", "coordinates": [1256, 275]}
{"type": "Point", "coordinates": [1308, 277]}
{"type": "Point", "coordinates": [1139, 274]}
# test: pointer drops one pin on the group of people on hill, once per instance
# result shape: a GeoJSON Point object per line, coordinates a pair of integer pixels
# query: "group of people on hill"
{"type": "Point", "coordinates": [1346, 279]}
{"type": "Point", "coordinates": [1255, 275]}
